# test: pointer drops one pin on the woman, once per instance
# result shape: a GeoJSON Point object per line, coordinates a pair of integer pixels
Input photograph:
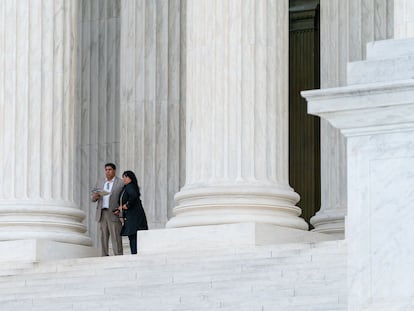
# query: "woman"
{"type": "Point", "coordinates": [132, 210]}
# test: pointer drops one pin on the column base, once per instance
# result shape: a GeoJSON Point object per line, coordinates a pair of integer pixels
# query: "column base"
{"type": "Point", "coordinates": [237, 203]}
{"type": "Point", "coordinates": [41, 250]}
{"type": "Point", "coordinates": [330, 222]}
{"type": "Point", "coordinates": [222, 236]}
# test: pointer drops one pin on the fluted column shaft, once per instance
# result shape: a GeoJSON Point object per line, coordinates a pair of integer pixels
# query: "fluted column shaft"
{"type": "Point", "coordinates": [98, 87]}
{"type": "Point", "coordinates": [403, 19]}
{"type": "Point", "coordinates": [151, 106]}
{"type": "Point", "coordinates": [237, 116]}
{"type": "Point", "coordinates": [37, 108]}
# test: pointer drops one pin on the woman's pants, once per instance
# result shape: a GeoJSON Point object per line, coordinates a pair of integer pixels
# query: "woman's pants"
{"type": "Point", "coordinates": [133, 243]}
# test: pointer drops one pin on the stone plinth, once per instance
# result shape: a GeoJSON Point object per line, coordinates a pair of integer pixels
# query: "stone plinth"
{"type": "Point", "coordinates": [377, 120]}
{"type": "Point", "coordinates": [222, 236]}
{"type": "Point", "coordinates": [33, 250]}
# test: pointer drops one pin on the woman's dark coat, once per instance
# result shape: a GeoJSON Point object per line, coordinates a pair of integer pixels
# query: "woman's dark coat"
{"type": "Point", "coordinates": [135, 218]}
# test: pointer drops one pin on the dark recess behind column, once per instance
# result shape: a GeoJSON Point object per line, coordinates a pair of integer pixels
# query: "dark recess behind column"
{"type": "Point", "coordinates": [304, 129]}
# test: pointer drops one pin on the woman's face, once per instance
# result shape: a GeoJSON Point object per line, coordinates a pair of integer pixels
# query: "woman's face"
{"type": "Point", "coordinates": [126, 179]}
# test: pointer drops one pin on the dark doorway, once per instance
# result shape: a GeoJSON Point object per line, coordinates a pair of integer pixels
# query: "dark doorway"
{"type": "Point", "coordinates": [304, 129]}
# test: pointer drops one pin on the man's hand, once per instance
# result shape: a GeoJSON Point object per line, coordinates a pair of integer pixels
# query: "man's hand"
{"type": "Point", "coordinates": [96, 196]}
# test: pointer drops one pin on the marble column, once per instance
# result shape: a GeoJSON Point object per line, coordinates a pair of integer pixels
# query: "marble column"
{"type": "Point", "coordinates": [37, 140]}
{"type": "Point", "coordinates": [346, 27]}
{"type": "Point", "coordinates": [152, 101]}
{"type": "Point", "coordinates": [237, 116]}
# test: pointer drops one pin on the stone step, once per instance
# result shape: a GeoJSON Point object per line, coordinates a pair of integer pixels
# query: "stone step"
{"type": "Point", "coordinates": [154, 278]}
{"type": "Point", "coordinates": [381, 70]}
{"type": "Point", "coordinates": [377, 50]}
{"type": "Point", "coordinates": [256, 278]}
{"type": "Point", "coordinates": [274, 305]}
{"type": "Point", "coordinates": [224, 292]}
{"type": "Point", "coordinates": [292, 257]}
{"type": "Point", "coordinates": [291, 266]}
{"type": "Point", "coordinates": [227, 301]}
{"type": "Point", "coordinates": [179, 291]}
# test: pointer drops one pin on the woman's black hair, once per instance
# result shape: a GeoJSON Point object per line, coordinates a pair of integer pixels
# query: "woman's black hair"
{"type": "Point", "coordinates": [132, 176]}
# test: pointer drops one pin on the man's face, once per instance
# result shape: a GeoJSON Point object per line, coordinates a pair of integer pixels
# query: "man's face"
{"type": "Point", "coordinates": [109, 172]}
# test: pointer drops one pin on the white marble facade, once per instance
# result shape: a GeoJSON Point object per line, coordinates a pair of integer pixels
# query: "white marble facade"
{"type": "Point", "coordinates": [88, 82]}
{"type": "Point", "coordinates": [151, 115]}
{"type": "Point", "coordinates": [133, 105]}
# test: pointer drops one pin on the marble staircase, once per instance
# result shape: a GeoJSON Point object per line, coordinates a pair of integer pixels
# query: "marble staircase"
{"type": "Point", "coordinates": [299, 276]}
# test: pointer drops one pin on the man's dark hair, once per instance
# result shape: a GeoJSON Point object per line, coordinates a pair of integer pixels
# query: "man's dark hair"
{"type": "Point", "coordinates": [111, 165]}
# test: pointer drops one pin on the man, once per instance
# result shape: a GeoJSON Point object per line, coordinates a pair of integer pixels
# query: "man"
{"type": "Point", "coordinates": [109, 223]}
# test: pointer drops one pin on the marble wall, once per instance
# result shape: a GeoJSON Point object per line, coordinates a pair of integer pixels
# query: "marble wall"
{"type": "Point", "coordinates": [381, 227]}
{"type": "Point", "coordinates": [152, 110]}
{"type": "Point", "coordinates": [98, 98]}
